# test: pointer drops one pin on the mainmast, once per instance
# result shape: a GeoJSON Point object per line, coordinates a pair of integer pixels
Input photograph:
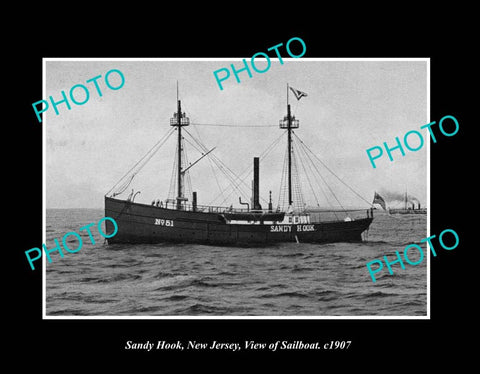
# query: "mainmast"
{"type": "Point", "coordinates": [290, 200]}
{"type": "Point", "coordinates": [179, 119]}
{"type": "Point", "coordinates": [289, 122]}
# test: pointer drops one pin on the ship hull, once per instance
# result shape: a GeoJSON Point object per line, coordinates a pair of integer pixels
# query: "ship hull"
{"type": "Point", "coordinates": [141, 223]}
{"type": "Point", "coordinates": [407, 211]}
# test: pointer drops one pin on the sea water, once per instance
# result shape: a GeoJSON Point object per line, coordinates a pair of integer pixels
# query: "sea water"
{"type": "Point", "coordinates": [290, 279]}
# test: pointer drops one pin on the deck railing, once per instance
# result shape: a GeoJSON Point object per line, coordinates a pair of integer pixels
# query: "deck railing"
{"type": "Point", "coordinates": [316, 215]}
{"type": "Point", "coordinates": [211, 208]}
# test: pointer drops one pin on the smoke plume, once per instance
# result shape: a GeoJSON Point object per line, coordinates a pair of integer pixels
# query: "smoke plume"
{"type": "Point", "coordinates": [391, 196]}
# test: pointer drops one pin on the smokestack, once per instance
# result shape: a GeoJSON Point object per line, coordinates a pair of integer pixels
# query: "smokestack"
{"type": "Point", "coordinates": [256, 184]}
{"type": "Point", "coordinates": [194, 201]}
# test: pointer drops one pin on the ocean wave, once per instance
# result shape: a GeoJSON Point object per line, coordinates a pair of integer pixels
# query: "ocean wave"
{"type": "Point", "coordinates": [171, 283]}
{"type": "Point", "coordinates": [298, 268]}
{"type": "Point", "coordinates": [289, 255]}
{"type": "Point", "coordinates": [117, 278]}
{"type": "Point", "coordinates": [228, 273]}
{"type": "Point", "coordinates": [292, 294]}
{"type": "Point", "coordinates": [174, 298]}
{"type": "Point", "coordinates": [201, 309]}
{"type": "Point", "coordinates": [376, 294]}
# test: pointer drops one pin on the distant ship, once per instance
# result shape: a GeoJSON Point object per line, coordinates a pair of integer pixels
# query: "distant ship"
{"type": "Point", "coordinates": [175, 220]}
{"type": "Point", "coordinates": [408, 209]}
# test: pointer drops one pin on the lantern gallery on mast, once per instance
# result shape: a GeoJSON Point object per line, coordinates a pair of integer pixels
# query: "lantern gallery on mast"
{"type": "Point", "coordinates": [181, 219]}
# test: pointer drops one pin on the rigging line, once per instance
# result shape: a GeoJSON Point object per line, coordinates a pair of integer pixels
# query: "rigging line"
{"type": "Point", "coordinates": [216, 160]}
{"type": "Point", "coordinates": [247, 171]}
{"type": "Point", "coordinates": [296, 187]}
{"type": "Point", "coordinates": [306, 173]}
{"type": "Point", "coordinates": [235, 185]}
{"type": "Point", "coordinates": [328, 186]}
{"type": "Point", "coordinates": [220, 165]}
{"type": "Point", "coordinates": [202, 151]}
{"type": "Point", "coordinates": [210, 162]}
{"type": "Point", "coordinates": [173, 179]}
{"type": "Point", "coordinates": [232, 179]}
{"type": "Point", "coordinates": [262, 156]}
{"type": "Point", "coordinates": [315, 177]}
{"type": "Point", "coordinates": [201, 148]}
{"type": "Point", "coordinates": [220, 125]}
{"type": "Point", "coordinates": [186, 175]}
{"type": "Point", "coordinates": [283, 184]}
{"type": "Point", "coordinates": [336, 176]}
{"type": "Point", "coordinates": [158, 144]}
{"type": "Point", "coordinates": [226, 170]}
{"type": "Point", "coordinates": [230, 175]}
{"type": "Point", "coordinates": [124, 186]}
{"type": "Point", "coordinates": [312, 167]}
{"type": "Point", "coordinates": [236, 180]}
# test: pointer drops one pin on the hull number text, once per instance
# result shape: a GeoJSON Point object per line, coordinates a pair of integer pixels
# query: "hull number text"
{"type": "Point", "coordinates": [163, 222]}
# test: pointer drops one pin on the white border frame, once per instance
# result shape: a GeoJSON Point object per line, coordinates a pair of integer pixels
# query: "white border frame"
{"type": "Point", "coordinates": [48, 317]}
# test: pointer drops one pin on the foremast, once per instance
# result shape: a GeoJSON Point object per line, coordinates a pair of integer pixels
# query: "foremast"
{"type": "Point", "coordinates": [179, 120]}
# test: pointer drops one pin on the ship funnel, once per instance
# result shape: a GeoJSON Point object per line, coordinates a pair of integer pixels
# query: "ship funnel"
{"type": "Point", "coordinates": [194, 201]}
{"type": "Point", "coordinates": [256, 184]}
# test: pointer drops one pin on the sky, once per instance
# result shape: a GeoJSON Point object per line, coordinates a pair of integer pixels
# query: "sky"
{"type": "Point", "coordinates": [351, 106]}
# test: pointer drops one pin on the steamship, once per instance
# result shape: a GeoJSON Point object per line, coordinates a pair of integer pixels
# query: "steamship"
{"type": "Point", "coordinates": [408, 209]}
{"type": "Point", "coordinates": [178, 220]}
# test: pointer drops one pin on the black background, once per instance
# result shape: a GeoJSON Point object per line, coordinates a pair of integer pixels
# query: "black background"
{"type": "Point", "coordinates": [444, 37]}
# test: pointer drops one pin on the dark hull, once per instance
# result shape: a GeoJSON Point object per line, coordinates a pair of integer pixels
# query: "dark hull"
{"type": "Point", "coordinates": [141, 223]}
{"type": "Point", "coordinates": [407, 211]}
